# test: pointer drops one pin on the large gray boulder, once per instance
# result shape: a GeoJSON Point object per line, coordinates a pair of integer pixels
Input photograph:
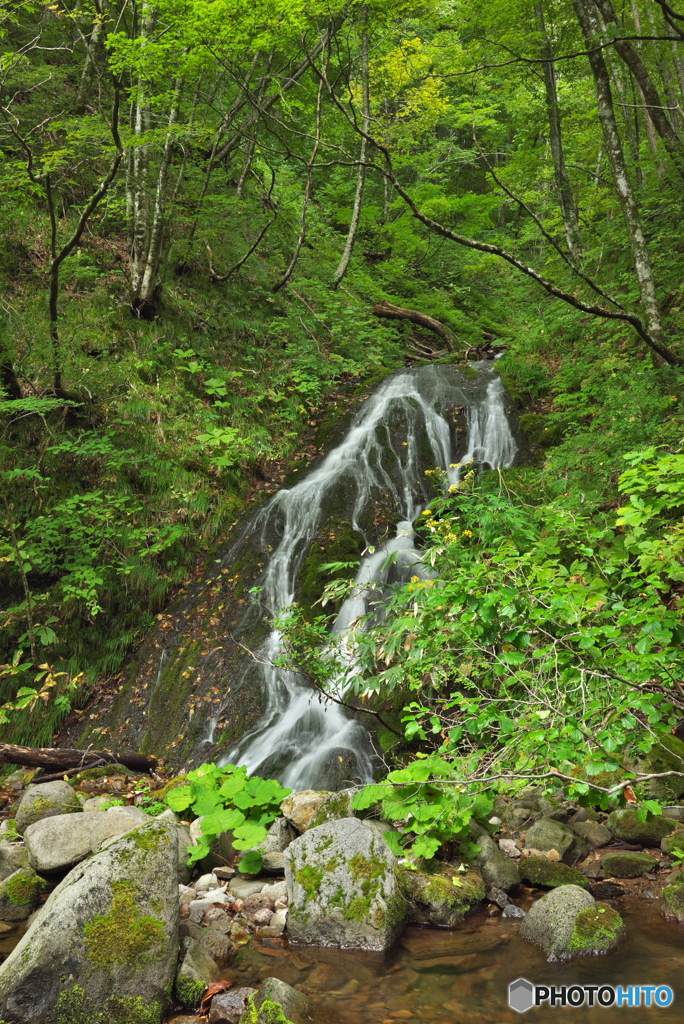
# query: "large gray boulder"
{"type": "Point", "coordinates": [549, 834]}
{"type": "Point", "coordinates": [342, 887]}
{"type": "Point", "coordinates": [56, 844]}
{"type": "Point", "coordinates": [105, 941]}
{"type": "Point", "coordinates": [567, 922]}
{"type": "Point", "coordinates": [44, 802]}
{"type": "Point", "coordinates": [495, 866]}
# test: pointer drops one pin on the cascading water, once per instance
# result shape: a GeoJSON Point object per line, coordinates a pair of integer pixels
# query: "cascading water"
{"type": "Point", "coordinates": [399, 432]}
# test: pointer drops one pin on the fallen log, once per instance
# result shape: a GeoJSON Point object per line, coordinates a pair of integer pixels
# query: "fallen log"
{"type": "Point", "coordinates": [390, 312]}
{"type": "Point", "coordinates": [66, 760]}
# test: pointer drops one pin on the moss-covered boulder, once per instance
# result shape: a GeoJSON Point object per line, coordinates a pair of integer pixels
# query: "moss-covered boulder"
{"type": "Point", "coordinates": [110, 929]}
{"type": "Point", "coordinates": [20, 894]}
{"type": "Point", "coordinates": [568, 922]}
{"type": "Point", "coordinates": [627, 865]}
{"type": "Point", "coordinates": [668, 756]}
{"type": "Point", "coordinates": [12, 857]}
{"type": "Point", "coordinates": [550, 874]}
{"type": "Point", "coordinates": [673, 844]}
{"type": "Point", "coordinates": [278, 1003]}
{"type": "Point", "coordinates": [440, 899]}
{"type": "Point", "coordinates": [335, 806]}
{"type": "Point", "coordinates": [673, 901]}
{"type": "Point", "coordinates": [625, 824]}
{"type": "Point", "coordinates": [45, 801]}
{"type": "Point", "coordinates": [495, 866]}
{"type": "Point", "coordinates": [596, 930]}
{"type": "Point", "coordinates": [342, 887]}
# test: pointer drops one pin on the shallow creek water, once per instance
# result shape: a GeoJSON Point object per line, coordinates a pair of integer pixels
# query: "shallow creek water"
{"type": "Point", "coordinates": [462, 976]}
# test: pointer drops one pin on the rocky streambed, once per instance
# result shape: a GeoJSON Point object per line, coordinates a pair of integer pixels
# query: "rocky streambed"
{"type": "Point", "coordinates": [102, 921]}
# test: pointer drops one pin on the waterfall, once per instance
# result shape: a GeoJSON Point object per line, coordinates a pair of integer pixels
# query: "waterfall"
{"type": "Point", "coordinates": [399, 432]}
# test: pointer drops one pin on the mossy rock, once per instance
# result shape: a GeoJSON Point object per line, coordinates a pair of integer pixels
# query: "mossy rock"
{"type": "Point", "coordinates": [344, 545]}
{"type": "Point", "coordinates": [597, 930]}
{"type": "Point", "coordinates": [627, 865]}
{"type": "Point", "coordinates": [268, 1013]}
{"type": "Point", "coordinates": [104, 771]}
{"type": "Point", "coordinates": [443, 899]}
{"type": "Point", "coordinates": [20, 894]}
{"type": "Point", "coordinates": [668, 756]}
{"type": "Point", "coordinates": [76, 1007]}
{"type": "Point", "coordinates": [542, 431]}
{"type": "Point", "coordinates": [625, 824]}
{"type": "Point", "coordinates": [672, 844]}
{"type": "Point", "coordinates": [673, 895]}
{"type": "Point", "coordinates": [551, 874]}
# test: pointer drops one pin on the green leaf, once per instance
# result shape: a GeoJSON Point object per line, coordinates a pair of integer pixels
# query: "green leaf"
{"type": "Point", "coordinates": [180, 798]}
{"type": "Point", "coordinates": [250, 863]}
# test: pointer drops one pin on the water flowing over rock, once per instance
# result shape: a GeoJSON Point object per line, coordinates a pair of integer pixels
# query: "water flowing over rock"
{"type": "Point", "coordinates": [214, 654]}
{"type": "Point", "coordinates": [402, 430]}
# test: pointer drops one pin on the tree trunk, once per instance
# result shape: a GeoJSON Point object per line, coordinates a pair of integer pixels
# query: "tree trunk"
{"type": "Point", "coordinates": [8, 377]}
{"type": "Point", "coordinates": [138, 195]}
{"type": "Point", "coordinates": [343, 265]}
{"type": "Point", "coordinates": [389, 312]}
{"type": "Point", "coordinates": [653, 103]}
{"type": "Point", "coordinates": [89, 67]}
{"type": "Point", "coordinates": [642, 262]}
{"type": "Point", "coordinates": [563, 186]}
{"type": "Point", "coordinates": [54, 757]}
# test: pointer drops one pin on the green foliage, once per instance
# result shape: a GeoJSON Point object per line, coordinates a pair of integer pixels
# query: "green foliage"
{"type": "Point", "coordinates": [228, 800]}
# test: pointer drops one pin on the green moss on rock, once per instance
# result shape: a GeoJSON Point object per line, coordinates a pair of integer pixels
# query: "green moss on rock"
{"type": "Point", "coordinates": [541, 430]}
{"type": "Point", "coordinates": [268, 1013]}
{"type": "Point", "coordinates": [539, 871]}
{"type": "Point", "coordinates": [626, 824]}
{"type": "Point", "coordinates": [309, 878]}
{"type": "Point", "coordinates": [124, 935]}
{"type": "Point", "coordinates": [673, 844]}
{"type": "Point", "coordinates": [627, 865]}
{"type": "Point", "coordinates": [23, 888]}
{"type": "Point", "coordinates": [667, 756]}
{"type": "Point", "coordinates": [674, 900]}
{"type": "Point", "coordinates": [597, 930]}
{"type": "Point", "coordinates": [189, 990]}
{"type": "Point", "coordinates": [76, 1007]}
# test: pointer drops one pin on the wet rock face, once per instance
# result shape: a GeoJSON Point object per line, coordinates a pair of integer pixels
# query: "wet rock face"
{"type": "Point", "coordinates": [45, 801]}
{"type": "Point", "coordinates": [441, 900]}
{"type": "Point", "coordinates": [568, 923]}
{"type": "Point", "coordinates": [107, 933]}
{"type": "Point", "coordinates": [342, 887]}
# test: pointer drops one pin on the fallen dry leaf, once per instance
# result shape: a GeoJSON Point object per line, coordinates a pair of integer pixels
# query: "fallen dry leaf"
{"type": "Point", "coordinates": [630, 795]}
{"type": "Point", "coordinates": [213, 990]}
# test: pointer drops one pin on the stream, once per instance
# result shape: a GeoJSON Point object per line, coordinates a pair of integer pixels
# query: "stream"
{"type": "Point", "coordinates": [462, 976]}
{"type": "Point", "coordinates": [408, 426]}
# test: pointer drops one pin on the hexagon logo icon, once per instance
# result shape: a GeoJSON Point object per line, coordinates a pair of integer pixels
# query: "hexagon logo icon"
{"type": "Point", "coordinates": [521, 995]}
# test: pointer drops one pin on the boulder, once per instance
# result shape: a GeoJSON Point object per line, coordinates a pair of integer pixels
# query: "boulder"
{"type": "Point", "coordinates": [496, 867]}
{"type": "Point", "coordinates": [674, 811]}
{"type": "Point", "coordinates": [46, 801]}
{"type": "Point", "coordinates": [299, 808]}
{"type": "Point", "coordinates": [228, 1007]}
{"type": "Point", "coordinates": [107, 933]}
{"type": "Point", "coordinates": [243, 887]}
{"type": "Point", "coordinates": [99, 803]}
{"type": "Point", "coordinates": [441, 900]}
{"type": "Point", "coordinates": [549, 834]}
{"type": "Point", "coordinates": [20, 894]}
{"type": "Point", "coordinates": [335, 806]}
{"type": "Point", "coordinates": [197, 970]}
{"type": "Point", "coordinates": [568, 922]}
{"type": "Point", "coordinates": [57, 843]}
{"type": "Point", "coordinates": [626, 825]}
{"type": "Point", "coordinates": [342, 887]}
{"type": "Point", "coordinates": [673, 897]}
{"type": "Point", "coordinates": [670, 844]}
{"type": "Point", "coordinates": [294, 1004]}
{"type": "Point", "coordinates": [627, 865]}
{"type": "Point", "coordinates": [12, 857]}
{"type": "Point", "coordinates": [539, 871]}
{"type": "Point", "coordinates": [593, 833]}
